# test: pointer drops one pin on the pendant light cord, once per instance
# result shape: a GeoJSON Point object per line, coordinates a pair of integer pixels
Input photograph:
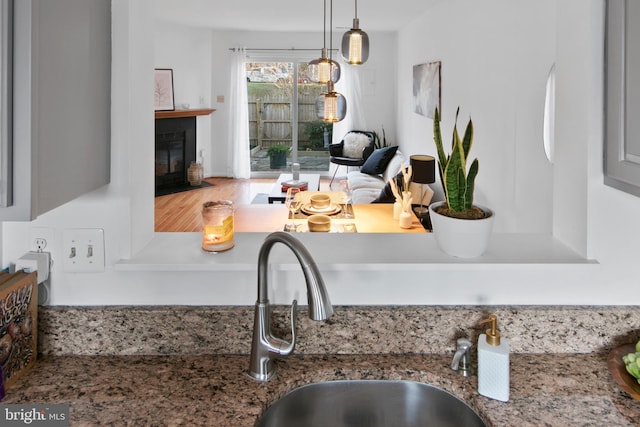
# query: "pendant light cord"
{"type": "Point", "coordinates": [356, 1]}
{"type": "Point", "coordinates": [324, 24]}
{"type": "Point", "coordinates": [330, 28]}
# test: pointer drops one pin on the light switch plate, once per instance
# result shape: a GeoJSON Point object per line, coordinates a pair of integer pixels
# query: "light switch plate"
{"type": "Point", "coordinates": [83, 250]}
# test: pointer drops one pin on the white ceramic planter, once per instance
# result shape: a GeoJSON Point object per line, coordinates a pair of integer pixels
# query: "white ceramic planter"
{"type": "Point", "coordinates": [463, 238]}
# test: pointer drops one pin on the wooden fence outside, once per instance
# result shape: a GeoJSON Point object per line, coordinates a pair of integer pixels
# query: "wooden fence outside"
{"type": "Point", "coordinates": [270, 120]}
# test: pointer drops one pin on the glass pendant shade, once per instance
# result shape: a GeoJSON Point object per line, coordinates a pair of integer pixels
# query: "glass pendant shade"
{"type": "Point", "coordinates": [331, 106]}
{"type": "Point", "coordinates": [355, 45]}
{"type": "Point", "coordinates": [323, 69]}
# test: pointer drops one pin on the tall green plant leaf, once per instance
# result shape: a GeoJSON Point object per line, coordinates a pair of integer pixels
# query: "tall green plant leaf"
{"type": "Point", "coordinates": [443, 159]}
{"type": "Point", "coordinates": [467, 141]}
{"type": "Point", "coordinates": [455, 179]}
{"type": "Point", "coordinates": [456, 139]}
{"type": "Point", "coordinates": [470, 184]}
{"type": "Point", "coordinates": [437, 137]}
{"type": "Point", "coordinates": [456, 145]}
{"type": "Point", "coordinates": [457, 183]}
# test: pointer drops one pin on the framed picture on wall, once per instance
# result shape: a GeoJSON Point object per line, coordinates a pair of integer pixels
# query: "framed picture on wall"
{"type": "Point", "coordinates": [426, 88]}
{"type": "Point", "coordinates": [163, 88]}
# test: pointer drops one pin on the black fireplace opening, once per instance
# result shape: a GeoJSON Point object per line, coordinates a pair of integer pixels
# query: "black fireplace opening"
{"type": "Point", "coordinates": [175, 149]}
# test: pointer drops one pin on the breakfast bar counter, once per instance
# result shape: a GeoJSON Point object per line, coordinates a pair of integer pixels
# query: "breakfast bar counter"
{"type": "Point", "coordinates": [368, 218]}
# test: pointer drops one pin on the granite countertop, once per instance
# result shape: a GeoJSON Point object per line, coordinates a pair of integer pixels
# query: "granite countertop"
{"type": "Point", "coordinates": [215, 390]}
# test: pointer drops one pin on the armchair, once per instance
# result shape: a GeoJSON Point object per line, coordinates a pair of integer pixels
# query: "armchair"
{"type": "Point", "coordinates": [353, 150]}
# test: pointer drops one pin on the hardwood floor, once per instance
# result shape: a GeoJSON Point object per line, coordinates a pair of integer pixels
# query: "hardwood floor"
{"type": "Point", "coordinates": [181, 211]}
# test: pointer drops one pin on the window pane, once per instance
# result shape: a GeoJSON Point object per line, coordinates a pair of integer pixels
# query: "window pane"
{"type": "Point", "coordinates": [276, 140]}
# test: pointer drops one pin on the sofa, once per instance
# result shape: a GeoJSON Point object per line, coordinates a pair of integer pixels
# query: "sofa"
{"type": "Point", "coordinates": [370, 184]}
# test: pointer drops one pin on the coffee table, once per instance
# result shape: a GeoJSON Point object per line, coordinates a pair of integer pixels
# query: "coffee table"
{"type": "Point", "coordinates": [276, 194]}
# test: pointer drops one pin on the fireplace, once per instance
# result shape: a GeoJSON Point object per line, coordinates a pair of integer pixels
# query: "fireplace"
{"type": "Point", "coordinates": [175, 150]}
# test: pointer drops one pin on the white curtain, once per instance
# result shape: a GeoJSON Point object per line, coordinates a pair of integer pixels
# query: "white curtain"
{"type": "Point", "coordinates": [239, 156]}
{"type": "Point", "coordinates": [349, 87]}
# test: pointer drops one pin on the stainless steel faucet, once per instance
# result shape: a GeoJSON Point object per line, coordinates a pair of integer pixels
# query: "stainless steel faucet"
{"type": "Point", "coordinates": [462, 358]}
{"type": "Point", "coordinates": [264, 346]}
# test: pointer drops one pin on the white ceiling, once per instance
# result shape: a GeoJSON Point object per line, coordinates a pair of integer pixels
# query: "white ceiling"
{"type": "Point", "coordinates": [289, 15]}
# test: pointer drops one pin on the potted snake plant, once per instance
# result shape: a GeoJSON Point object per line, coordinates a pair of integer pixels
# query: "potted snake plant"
{"type": "Point", "coordinates": [461, 228]}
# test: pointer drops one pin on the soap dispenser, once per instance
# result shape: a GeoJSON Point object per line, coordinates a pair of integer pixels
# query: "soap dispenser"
{"type": "Point", "coordinates": [493, 363]}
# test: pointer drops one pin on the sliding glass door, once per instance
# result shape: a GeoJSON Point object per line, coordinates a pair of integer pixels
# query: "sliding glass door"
{"type": "Point", "coordinates": [283, 127]}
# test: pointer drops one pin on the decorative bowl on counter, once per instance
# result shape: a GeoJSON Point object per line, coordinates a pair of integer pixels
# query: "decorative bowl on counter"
{"type": "Point", "coordinates": [619, 373]}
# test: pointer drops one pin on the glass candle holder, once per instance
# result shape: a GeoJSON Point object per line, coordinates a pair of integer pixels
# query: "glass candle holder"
{"type": "Point", "coordinates": [217, 230]}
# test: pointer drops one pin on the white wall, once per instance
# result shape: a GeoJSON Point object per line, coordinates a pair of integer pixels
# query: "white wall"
{"type": "Point", "coordinates": [579, 133]}
{"type": "Point", "coordinates": [125, 208]}
{"type": "Point", "coordinates": [187, 51]}
{"type": "Point", "coordinates": [495, 59]}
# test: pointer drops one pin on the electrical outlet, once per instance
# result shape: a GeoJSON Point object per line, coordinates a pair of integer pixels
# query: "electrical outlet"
{"type": "Point", "coordinates": [41, 239]}
{"type": "Point", "coordinates": [83, 250]}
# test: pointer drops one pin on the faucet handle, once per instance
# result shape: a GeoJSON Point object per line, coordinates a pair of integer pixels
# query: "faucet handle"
{"type": "Point", "coordinates": [287, 350]}
{"type": "Point", "coordinates": [463, 344]}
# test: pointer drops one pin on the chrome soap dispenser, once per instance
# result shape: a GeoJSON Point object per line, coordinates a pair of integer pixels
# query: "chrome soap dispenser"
{"type": "Point", "coordinates": [493, 363]}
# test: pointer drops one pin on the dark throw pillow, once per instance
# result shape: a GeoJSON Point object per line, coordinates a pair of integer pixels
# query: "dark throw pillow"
{"type": "Point", "coordinates": [379, 160]}
{"type": "Point", "coordinates": [386, 195]}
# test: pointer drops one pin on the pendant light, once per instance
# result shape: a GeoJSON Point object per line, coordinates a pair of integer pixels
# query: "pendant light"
{"type": "Point", "coordinates": [355, 43]}
{"type": "Point", "coordinates": [323, 69]}
{"type": "Point", "coordinates": [331, 106]}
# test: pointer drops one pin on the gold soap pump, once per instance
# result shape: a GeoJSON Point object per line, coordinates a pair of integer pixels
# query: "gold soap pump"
{"type": "Point", "coordinates": [493, 335]}
{"type": "Point", "coordinates": [493, 362]}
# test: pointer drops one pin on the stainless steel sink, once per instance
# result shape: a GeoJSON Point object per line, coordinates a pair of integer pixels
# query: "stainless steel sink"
{"type": "Point", "coordinates": [370, 403]}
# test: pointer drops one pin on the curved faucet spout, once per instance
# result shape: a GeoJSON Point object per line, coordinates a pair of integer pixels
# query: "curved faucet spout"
{"type": "Point", "coordinates": [320, 307]}
{"type": "Point", "coordinates": [264, 346]}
